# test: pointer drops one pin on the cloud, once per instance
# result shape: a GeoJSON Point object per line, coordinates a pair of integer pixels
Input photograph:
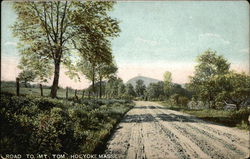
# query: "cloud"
{"type": "Point", "coordinates": [246, 50]}
{"type": "Point", "coordinates": [10, 43]}
{"type": "Point", "coordinates": [214, 37]}
{"type": "Point", "coordinates": [146, 41]}
{"type": "Point", "coordinates": [211, 35]}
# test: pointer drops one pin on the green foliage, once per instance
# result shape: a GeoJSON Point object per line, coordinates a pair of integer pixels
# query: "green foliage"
{"type": "Point", "coordinates": [177, 99]}
{"type": "Point", "coordinates": [121, 90]}
{"type": "Point", "coordinates": [167, 79]}
{"type": "Point", "coordinates": [130, 92]}
{"type": "Point", "coordinates": [202, 84]}
{"type": "Point", "coordinates": [44, 125]}
{"type": "Point", "coordinates": [48, 31]}
{"type": "Point", "coordinates": [155, 90]}
{"type": "Point", "coordinates": [235, 118]}
{"type": "Point", "coordinates": [234, 88]}
{"type": "Point", "coordinates": [140, 88]}
{"type": "Point", "coordinates": [112, 87]}
{"type": "Point", "coordinates": [215, 85]}
{"type": "Point", "coordinates": [27, 76]}
{"type": "Point", "coordinates": [230, 118]}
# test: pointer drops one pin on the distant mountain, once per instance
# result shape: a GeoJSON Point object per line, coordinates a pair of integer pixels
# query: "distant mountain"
{"type": "Point", "coordinates": [147, 80]}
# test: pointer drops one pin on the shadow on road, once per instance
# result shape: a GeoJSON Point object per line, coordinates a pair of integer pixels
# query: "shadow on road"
{"type": "Point", "coordinates": [149, 107]}
{"type": "Point", "coordinates": [138, 118]}
{"type": "Point", "coordinates": [175, 117]}
{"type": "Point", "coordinates": [165, 117]}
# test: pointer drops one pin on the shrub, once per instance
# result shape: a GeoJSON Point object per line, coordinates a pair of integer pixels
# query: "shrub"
{"type": "Point", "coordinates": [44, 125]}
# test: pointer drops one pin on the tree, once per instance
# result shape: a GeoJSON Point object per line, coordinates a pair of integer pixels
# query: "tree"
{"type": "Point", "coordinates": [27, 76]}
{"type": "Point", "coordinates": [50, 29]}
{"type": "Point", "coordinates": [209, 65]}
{"type": "Point", "coordinates": [121, 90]}
{"type": "Point", "coordinates": [179, 99]}
{"type": "Point", "coordinates": [140, 88]}
{"type": "Point", "coordinates": [155, 90]}
{"type": "Point", "coordinates": [41, 68]}
{"type": "Point", "coordinates": [234, 88]}
{"type": "Point", "coordinates": [167, 78]}
{"type": "Point", "coordinates": [104, 71]}
{"type": "Point", "coordinates": [130, 92]}
{"type": "Point", "coordinates": [89, 71]}
{"type": "Point", "coordinates": [112, 86]}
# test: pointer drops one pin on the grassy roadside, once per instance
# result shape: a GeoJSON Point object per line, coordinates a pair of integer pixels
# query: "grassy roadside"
{"type": "Point", "coordinates": [33, 124]}
{"type": "Point", "coordinates": [237, 119]}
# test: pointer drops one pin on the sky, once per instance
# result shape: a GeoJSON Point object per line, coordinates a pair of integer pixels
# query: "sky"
{"type": "Point", "coordinates": [159, 36]}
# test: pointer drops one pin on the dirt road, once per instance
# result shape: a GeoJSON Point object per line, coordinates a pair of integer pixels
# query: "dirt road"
{"type": "Point", "coordinates": [151, 131]}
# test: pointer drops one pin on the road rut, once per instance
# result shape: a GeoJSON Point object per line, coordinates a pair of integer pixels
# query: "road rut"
{"type": "Point", "coordinates": [151, 131]}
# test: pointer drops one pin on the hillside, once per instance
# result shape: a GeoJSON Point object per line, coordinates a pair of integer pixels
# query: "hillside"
{"type": "Point", "coordinates": [147, 80]}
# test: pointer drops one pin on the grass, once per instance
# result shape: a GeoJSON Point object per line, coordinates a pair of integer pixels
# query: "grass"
{"type": "Point", "coordinates": [32, 124]}
{"type": "Point", "coordinates": [61, 93]}
{"type": "Point", "coordinates": [234, 118]}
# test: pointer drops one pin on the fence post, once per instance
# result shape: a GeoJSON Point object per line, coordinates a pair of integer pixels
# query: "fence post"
{"type": "Point", "coordinates": [76, 94]}
{"type": "Point", "coordinates": [67, 92]}
{"type": "Point", "coordinates": [17, 87]}
{"type": "Point", "coordinates": [83, 92]}
{"type": "Point", "coordinates": [41, 89]}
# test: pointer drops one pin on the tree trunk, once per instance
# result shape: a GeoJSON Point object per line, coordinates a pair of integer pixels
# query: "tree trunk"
{"type": "Point", "coordinates": [93, 81]}
{"type": "Point", "coordinates": [25, 84]}
{"type": "Point", "coordinates": [17, 87]}
{"type": "Point", "coordinates": [93, 86]}
{"type": "Point", "coordinates": [237, 106]}
{"type": "Point", "coordinates": [76, 97]}
{"type": "Point", "coordinates": [83, 92]}
{"type": "Point", "coordinates": [104, 91]}
{"type": "Point", "coordinates": [67, 92]}
{"type": "Point", "coordinates": [75, 92]}
{"type": "Point", "coordinates": [100, 89]}
{"type": "Point", "coordinates": [54, 87]}
{"type": "Point", "coordinates": [41, 89]}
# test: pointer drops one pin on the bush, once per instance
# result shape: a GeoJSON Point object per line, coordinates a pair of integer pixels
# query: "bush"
{"type": "Point", "coordinates": [44, 125]}
{"type": "Point", "coordinates": [242, 113]}
{"type": "Point", "coordinates": [183, 101]}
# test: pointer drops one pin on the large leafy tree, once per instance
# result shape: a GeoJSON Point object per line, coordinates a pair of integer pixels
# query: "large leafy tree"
{"type": "Point", "coordinates": [50, 29]}
{"type": "Point", "coordinates": [209, 65]}
{"type": "Point", "coordinates": [121, 90]}
{"type": "Point", "coordinates": [89, 71]}
{"type": "Point", "coordinates": [130, 92]}
{"type": "Point", "coordinates": [112, 87]}
{"type": "Point", "coordinates": [167, 79]}
{"type": "Point", "coordinates": [140, 88]}
{"type": "Point", "coordinates": [234, 88]}
{"type": "Point", "coordinates": [104, 71]}
{"type": "Point", "coordinates": [155, 90]}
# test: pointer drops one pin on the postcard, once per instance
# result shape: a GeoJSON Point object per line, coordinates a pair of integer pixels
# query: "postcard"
{"type": "Point", "coordinates": [124, 79]}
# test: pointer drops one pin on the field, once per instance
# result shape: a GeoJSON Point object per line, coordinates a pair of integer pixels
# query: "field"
{"type": "Point", "coordinates": [10, 88]}
{"type": "Point", "coordinates": [231, 118]}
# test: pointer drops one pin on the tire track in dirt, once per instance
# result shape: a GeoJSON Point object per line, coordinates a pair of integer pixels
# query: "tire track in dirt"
{"type": "Point", "coordinates": [151, 131]}
{"type": "Point", "coordinates": [184, 131]}
{"type": "Point", "coordinates": [220, 130]}
{"type": "Point", "coordinates": [197, 130]}
{"type": "Point", "coordinates": [236, 151]}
